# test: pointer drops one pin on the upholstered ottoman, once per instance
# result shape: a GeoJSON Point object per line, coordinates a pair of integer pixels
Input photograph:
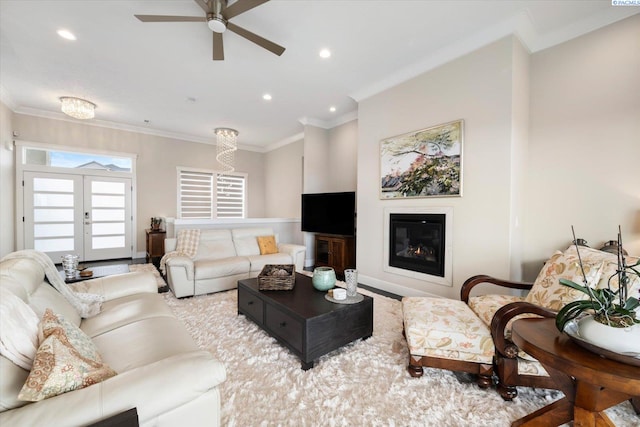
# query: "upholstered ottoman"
{"type": "Point", "coordinates": [446, 334]}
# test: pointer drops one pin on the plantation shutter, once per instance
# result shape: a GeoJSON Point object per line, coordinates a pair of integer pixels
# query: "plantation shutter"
{"type": "Point", "coordinates": [230, 196]}
{"type": "Point", "coordinates": [207, 195]}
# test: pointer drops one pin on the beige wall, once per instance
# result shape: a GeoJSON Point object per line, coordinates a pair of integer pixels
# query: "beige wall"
{"type": "Point", "coordinates": [551, 140]}
{"type": "Point", "coordinates": [7, 186]}
{"type": "Point", "coordinates": [478, 89]}
{"type": "Point", "coordinates": [520, 100]}
{"type": "Point", "coordinates": [316, 160]}
{"type": "Point", "coordinates": [158, 158]}
{"type": "Point", "coordinates": [584, 152]}
{"type": "Point", "coordinates": [343, 157]}
{"type": "Point", "coordinates": [283, 181]}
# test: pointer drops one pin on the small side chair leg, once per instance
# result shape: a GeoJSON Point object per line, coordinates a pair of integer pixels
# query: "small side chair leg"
{"type": "Point", "coordinates": [415, 371]}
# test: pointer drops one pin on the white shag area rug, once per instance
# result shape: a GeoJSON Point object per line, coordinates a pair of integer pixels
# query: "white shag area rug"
{"type": "Point", "coordinates": [365, 383]}
{"type": "Point", "coordinates": [150, 268]}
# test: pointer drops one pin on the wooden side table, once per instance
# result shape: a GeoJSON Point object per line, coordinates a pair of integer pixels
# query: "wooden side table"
{"type": "Point", "coordinates": [155, 245]}
{"type": "Point", "coordinates": [590, 383]}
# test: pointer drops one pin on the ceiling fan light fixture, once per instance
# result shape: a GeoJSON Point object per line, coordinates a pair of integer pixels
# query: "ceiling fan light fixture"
{"type": "Point", "coordinates": [77, 108]}
{"type": "Point", "coordinates": [217, 23]}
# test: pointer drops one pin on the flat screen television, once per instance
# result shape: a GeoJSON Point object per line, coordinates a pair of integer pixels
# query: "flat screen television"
{"type": "Point", "coordinates": [330, 213]}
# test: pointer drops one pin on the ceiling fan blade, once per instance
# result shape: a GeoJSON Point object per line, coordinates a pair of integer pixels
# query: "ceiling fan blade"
{"type": "Point", "coordinates": [260, 41]}
{"type": "Point", "coordinates": [162, 18]}
{"type": "Point", "coordinates": [204, 4]}
{"type": "Point", "coordinates": [241, 6]}
{"type": "Point", "coordinates": [218, 47]}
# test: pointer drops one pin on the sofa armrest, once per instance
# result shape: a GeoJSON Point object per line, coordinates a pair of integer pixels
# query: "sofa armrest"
{"type": "Point", "coordinates": [503, 316]}
{"type": "Point", "coordinates": [297, 253]}
{"type": "Point", "coordinates": [153, 389]}
{"type": "Point", "coordinates": [118, 285]}
{"type": "Point", "coordinates": [181, 263]}
{"type": "Point", "coordinates": [181, 276]}
{"type": "Point", "coordinates": [471, 282]}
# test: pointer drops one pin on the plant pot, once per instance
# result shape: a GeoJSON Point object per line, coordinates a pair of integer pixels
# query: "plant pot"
{"type": "Point", "coordinates": [619, 340]}
{"type": "Point", "coordinates": [324, 278]}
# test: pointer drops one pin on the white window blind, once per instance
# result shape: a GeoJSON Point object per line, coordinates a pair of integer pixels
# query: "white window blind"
{"type": "Point", "coordinates": [230, 196]}
{"type": "Point", "coordinates": [206, 195]}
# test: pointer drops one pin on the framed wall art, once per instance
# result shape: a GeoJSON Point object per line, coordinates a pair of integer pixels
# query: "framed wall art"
{"type": "Point", "coordinates": [423, 163]}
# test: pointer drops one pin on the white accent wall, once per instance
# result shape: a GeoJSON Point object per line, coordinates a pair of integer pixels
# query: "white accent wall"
{"type": "Point", "coordinates": [478, 89]}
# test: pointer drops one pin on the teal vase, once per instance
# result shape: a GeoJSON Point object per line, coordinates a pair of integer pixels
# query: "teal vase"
{"type": "Point", "coordinates": [324, 278]}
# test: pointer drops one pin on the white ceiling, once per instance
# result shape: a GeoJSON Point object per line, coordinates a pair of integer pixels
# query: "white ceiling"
{"type": "Point", "coordinates": [138, 71]}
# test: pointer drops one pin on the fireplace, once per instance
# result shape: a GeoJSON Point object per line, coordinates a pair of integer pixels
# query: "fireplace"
{"type": "Point", "coordinates": [417, 242]}
{"type": "Point", "coordinates": [433, 238]}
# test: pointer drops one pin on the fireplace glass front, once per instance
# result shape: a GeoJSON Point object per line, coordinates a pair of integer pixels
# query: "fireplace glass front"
{"type": "Point", "coordinates": [417, 242]}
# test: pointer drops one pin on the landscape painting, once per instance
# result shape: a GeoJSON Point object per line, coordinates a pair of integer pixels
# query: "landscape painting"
{"type": "Point", "coordinates": [423, 163]}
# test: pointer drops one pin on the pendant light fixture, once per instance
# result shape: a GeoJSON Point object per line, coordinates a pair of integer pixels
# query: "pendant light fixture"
{"type": "Point", "coordinates": [227, 144]}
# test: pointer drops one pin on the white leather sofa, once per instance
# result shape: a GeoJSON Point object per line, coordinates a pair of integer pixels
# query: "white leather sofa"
{"type": "Point", "coordinates": [225, 256]}
{"type": "Point", "coordinates": [160, 370]}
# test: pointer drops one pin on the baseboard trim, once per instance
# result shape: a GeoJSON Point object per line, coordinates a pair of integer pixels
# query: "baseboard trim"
{"type": "Point", "coordinates": [393, 288]}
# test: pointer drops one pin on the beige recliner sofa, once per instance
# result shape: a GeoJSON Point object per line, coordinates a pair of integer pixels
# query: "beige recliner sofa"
{"type": "Point", "coordinates": [160, 370]}
{"type": "Point", "coordinates": [225, 256]}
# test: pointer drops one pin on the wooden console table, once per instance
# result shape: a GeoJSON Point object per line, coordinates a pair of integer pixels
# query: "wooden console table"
{"type": "Point", "coordinates": [338, 252]}
{"type": "Point", "coordinates": [155, 245]}
{"type": "Point", "coordinates": [589, 382]}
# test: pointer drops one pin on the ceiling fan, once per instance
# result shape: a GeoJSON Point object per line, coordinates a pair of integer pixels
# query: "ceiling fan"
{"type": "Point", "coordinates": [217, 18]}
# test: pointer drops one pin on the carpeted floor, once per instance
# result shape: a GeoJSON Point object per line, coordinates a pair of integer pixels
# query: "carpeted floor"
{"type": "Point", "coordinates": [363, 384]}
{"type": "Point", "coordinates": [152, 269]}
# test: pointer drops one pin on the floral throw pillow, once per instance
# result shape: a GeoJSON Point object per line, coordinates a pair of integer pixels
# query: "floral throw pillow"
{"type": "Point", "coordinates": [547, 291]}
{"type": "Point", "coordinates": [66, 360]}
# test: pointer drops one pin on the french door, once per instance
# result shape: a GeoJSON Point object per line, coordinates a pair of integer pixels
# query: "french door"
{"type": "Point", "coordinates": [89, 216]}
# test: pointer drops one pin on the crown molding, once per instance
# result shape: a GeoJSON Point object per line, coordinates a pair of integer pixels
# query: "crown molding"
{"type": "Point", "coordinates": [521, 26]}
{"type": "Point", "coordinates": [283, 142]}
{"type": "Point", "coordinates": [6, 98]}
{"type": "Point", "coordinates": [124, 127]}
{"type": "Point", "coordinates": [330, 124]}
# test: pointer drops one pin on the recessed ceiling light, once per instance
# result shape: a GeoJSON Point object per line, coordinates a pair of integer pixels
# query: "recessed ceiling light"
{"type": "Point", "coordinates": [267, 97]}
{"type": "Point", "coordinates": [332, 109]}
{"type": "Point", "coordinates": [66, 34]}
{"type": "Point", "coordinates": [325, 53]}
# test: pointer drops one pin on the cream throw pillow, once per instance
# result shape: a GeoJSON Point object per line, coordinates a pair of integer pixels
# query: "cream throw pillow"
{"type": "Point", "coordinates": [18, 331]}
{"type": "Point", "coordinates": [547, 290]}
{"type": "Point", "coordinates": [66, 360]}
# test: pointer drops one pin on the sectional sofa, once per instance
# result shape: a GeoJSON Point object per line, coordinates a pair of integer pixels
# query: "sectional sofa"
{"type": "Point", "coordinates": [149, 359]}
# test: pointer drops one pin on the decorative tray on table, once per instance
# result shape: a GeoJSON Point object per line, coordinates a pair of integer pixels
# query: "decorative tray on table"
{"type": "Point", "coordinates": [571, 329]}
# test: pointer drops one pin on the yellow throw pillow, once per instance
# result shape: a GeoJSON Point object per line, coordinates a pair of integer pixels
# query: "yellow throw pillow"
{"type": "Point", "coordinates": [267, 245]}
{"type": "Point", "coordinates": [66, 360]}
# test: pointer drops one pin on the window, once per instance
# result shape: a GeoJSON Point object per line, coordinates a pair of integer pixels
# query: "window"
{"type": "Point", "coordinates": [75, 160]}
{"type": "Point", "coordinates": [206, 194]}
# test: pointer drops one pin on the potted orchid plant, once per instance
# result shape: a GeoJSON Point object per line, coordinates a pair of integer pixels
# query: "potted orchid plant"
{"type": "Point", "coordinates": [608, 307]}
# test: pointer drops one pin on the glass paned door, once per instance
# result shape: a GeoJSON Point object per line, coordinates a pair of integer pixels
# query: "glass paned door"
{"type": "Point", "coordinates": [88, 216]}
{"type": "Point", "coordinates": [107, 218]}
{"type": "Point", "coordinates": [53, 213]}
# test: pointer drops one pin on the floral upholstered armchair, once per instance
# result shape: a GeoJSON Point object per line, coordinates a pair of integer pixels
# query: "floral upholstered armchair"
{"type": "Point", "coordinates": [545, 297]}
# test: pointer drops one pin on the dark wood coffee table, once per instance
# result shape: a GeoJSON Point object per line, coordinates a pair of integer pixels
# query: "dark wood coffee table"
{"type": "Point", "coordinates": [590, 383]}
{"type": "Point", "coordinates": [303, 320]}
